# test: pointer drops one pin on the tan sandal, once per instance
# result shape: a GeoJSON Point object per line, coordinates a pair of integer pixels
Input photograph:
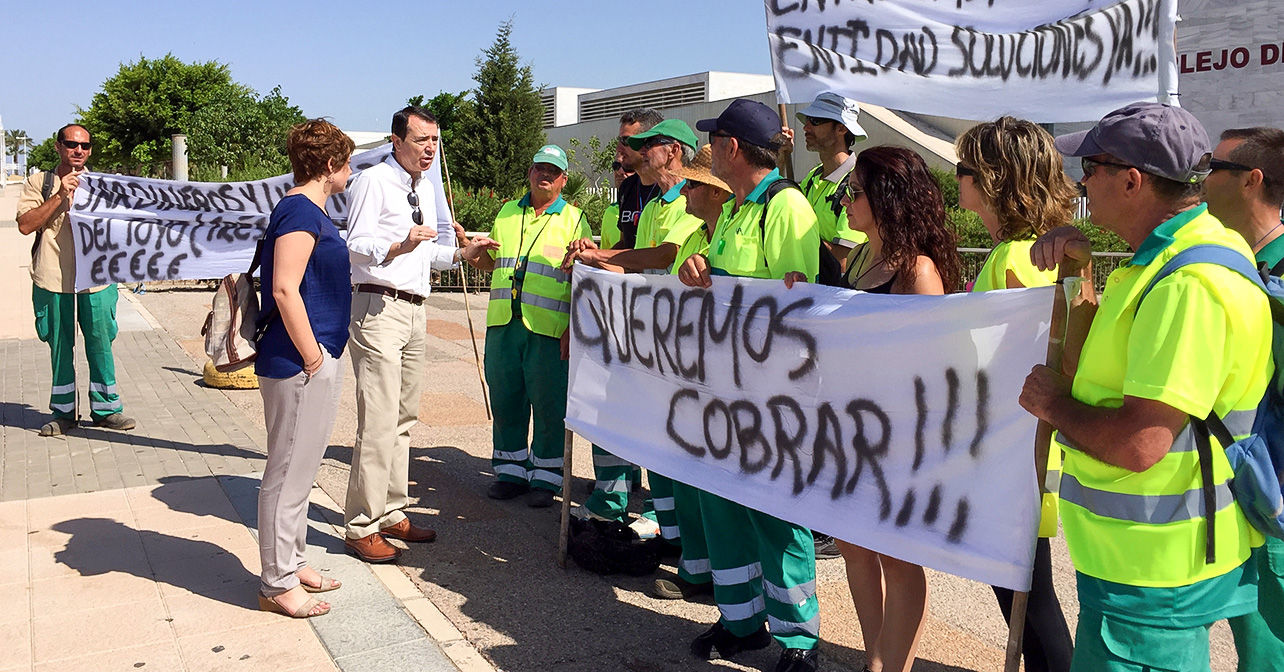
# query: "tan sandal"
{"type": "Point", "coordinates": [327, 584]}
{"type": "Point", "coordinates": [268, 604]}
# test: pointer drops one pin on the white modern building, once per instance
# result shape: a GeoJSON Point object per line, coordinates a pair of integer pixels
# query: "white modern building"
{"type": "Point", "coordinates": [586, 113]}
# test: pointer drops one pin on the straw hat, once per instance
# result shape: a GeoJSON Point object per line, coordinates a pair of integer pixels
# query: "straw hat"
{"type": "Point", "coordinates": [700, 169]}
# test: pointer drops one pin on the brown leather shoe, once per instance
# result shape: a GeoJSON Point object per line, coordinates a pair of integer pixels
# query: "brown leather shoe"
{"type": "Point", "coordinates": [372, 548]}
{"type": "Point", "coordinates": [407, 532]}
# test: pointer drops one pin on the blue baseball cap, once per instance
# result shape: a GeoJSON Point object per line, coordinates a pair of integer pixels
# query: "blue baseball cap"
{"type": "Point", "coordinates": [747, 121]}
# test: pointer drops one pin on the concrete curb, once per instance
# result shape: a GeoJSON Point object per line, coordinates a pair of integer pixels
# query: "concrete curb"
{"type": "Point", "coordinates": [378, 630]}
{"type": "Point", "coordinates": [439, 628]}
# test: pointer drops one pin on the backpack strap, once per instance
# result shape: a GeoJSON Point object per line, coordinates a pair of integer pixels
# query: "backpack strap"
{"type": "Point", "coordinates": [772, 189]}
{"type": "Point", "coordinates": [1213, 425]}
{"type": "Point", "coordinates": [1209, 253]}
{"type": "Point", "coordinates": [1278, 269]}
{"type": "Point", "coordinates": [46, 191]}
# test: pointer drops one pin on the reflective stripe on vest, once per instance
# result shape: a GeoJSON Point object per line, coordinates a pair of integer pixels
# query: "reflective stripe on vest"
{"type": "Point", "coordinates": [527, 267]}
{"type": "Point", "coordinates": [1145, 509]}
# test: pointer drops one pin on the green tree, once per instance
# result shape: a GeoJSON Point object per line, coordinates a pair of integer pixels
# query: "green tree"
{"type": "Point", "coordinates": [447, 107]}
{"type": "Point", "coordinates": [44, 156]}
{"type": "Point", "coordinates": [498, 133]}
{"type": "Point", "coordinates": [145, 103]}
{"type": "Point", "coordinates": [243, 132]}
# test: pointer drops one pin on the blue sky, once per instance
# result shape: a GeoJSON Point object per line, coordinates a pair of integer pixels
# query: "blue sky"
{"type": "Point", "coordinates": [357, 62]}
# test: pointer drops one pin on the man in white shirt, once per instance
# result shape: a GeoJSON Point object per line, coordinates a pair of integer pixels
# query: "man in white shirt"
{"type": "Point", "coordinates": [393, 253]}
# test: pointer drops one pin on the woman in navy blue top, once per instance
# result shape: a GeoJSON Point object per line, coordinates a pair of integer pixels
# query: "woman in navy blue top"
{"type": "Point", "coordinates": [306, 298]}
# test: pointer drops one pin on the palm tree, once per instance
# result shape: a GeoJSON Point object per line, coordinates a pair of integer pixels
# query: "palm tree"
{"type": "Point", "coordinates": [16, 141]}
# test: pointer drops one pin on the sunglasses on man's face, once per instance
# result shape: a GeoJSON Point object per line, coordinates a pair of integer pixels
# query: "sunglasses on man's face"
{"type": "Point", "coordinates": [816, 121]}
{"type": "Point", "coordinates": [657, 141]}
{"type": "Point", "coordinates": [72, 144]}
{"type": "Point", "coordinates": [1090, 165]}
{"type": "Point", "coordinates": [961, 171]}
{"type": "Point", "coordinates": [1218, 164]}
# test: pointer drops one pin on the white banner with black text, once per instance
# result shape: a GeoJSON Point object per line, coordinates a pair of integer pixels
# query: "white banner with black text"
{"type": "Point", "coordinates": [1064, 61]}
{"type": "Point", "coordinates": [135, 229]}
{"type": "Point", "coordinates": [890, 422]}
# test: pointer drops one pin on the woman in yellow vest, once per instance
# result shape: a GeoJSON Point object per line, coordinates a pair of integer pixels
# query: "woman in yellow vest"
{"type": "Point", "coordinates": [1011, 175]}
{"type": "Point", "coordinates": [526, 322]}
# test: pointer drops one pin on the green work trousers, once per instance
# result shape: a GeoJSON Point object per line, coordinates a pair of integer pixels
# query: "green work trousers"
{"type": "Point", "coordinates": [56, 317]}
{"type": "Point", "coordinates": [694, 564]}
{"type": "Point", "coordinates": [615, 477]}
{"type": "Point", "coordinates": [764, 569]}
{"type": "Point", "coordinates": [527, 375]}
{"type": "Point", "coordinates": [662, 504]}
{"type": "Point", "coordinates": [1259, 636]}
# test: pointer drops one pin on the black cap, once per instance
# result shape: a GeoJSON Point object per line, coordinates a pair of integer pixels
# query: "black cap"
{"type": "Point", "coordinates": [747, 121]}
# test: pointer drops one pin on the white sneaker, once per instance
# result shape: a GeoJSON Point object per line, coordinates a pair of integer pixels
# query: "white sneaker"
{"type": "Point", "coordinates": [645, 527]}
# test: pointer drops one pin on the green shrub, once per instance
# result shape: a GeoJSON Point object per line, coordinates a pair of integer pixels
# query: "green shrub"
{"type": "Point", "coordinates": [476, 210]}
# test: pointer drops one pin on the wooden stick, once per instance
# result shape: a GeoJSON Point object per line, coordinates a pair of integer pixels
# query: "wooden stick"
{"type": "Point", "coordinates": [786, 157]}
{"type": "Point", "coordinates": [1059, 336]}
{"type": "Point", "coordinates": [564, 532]}
{"type": "Point", "coordinates": [463, 279]}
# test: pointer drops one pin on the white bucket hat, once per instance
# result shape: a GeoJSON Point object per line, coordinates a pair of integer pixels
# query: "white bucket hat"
{"type": "Point", "coordinates": [830, 105]}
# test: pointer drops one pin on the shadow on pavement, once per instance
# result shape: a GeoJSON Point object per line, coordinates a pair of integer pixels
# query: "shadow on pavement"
{"type": "Point", "coordinates": [14, 414]}
{"type": "Point", "coordinates": [100, 545]}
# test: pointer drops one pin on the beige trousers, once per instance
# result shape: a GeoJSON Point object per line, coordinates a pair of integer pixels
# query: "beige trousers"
{"type": "Point", "coordinates": [389, 346]}
{"type": "Point", "coordinates": [299, 413]}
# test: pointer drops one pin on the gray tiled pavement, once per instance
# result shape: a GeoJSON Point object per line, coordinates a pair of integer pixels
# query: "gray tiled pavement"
{"type": "Point", "coordinates": [187, 430]}
{"type": "Point", "coordinates": [184, 428]}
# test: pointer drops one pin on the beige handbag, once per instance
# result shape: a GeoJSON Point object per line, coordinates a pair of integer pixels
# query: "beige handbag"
{"type": "Point", "coordinates": [231, 329]}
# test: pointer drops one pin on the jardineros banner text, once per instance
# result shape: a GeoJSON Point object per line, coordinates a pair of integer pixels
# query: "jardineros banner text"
{"type": "Point", "coordinates": [134, 229]}
{"type": "Point", "coordinates": [888, 421]}
{"type": "Point", "coordinates": [1072, 60]}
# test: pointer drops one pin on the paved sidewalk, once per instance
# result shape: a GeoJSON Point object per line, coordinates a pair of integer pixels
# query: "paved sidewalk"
{"type": "Point", "coordinates": [137, 550]}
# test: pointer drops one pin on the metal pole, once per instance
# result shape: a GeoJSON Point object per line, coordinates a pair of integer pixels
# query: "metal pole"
{"type": "Point", "coordinates": [463, 280]}
{"type": "Point", "coordinates": [178, 152]}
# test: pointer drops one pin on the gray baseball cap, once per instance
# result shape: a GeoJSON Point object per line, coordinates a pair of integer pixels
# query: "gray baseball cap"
{"type": "Point", "coordinates": [830, 105]}
{"type": "Point", "coordinates": [1159, 139]}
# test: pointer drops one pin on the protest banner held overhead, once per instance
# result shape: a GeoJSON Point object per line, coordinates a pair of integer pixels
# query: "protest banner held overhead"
{"type": "Point", "coordinates": [916, 447]}
{"type": "Point", "coordinates": [1044, 61]}
{"type": "Point", "coordinates": [134, 229]}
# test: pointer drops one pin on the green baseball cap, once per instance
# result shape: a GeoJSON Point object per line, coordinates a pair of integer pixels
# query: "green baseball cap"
{"type": "Point", "coordinates": [669, 128]}
{"type": "Point", "coordinates": [551, 154]}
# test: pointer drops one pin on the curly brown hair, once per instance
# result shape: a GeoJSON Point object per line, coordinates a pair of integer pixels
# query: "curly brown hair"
{"type": "Point", "coordinates": [909, 211]}
{"type": "Point", "coordinates": [317, 147]}
{"type": "Point", "coordinates": [1019, 175]}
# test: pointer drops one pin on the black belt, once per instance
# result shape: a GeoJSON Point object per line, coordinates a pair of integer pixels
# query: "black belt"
{"type": "Point", "coordinates": [414, 299]}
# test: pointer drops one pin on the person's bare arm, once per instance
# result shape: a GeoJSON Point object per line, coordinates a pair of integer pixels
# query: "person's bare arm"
{"type": "Point", "coordinates": [39, 217]}
{"type": "Point", "coordinates": [661, 256]}
{"type": "Point", "coordinates": [1134, 436]}
{"type": "Point", "coordinates": [288, 263]}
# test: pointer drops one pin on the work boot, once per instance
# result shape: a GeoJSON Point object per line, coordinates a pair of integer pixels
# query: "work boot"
{"type": "Point", "coordinates": [826, 548]}
{"type": "Point", "coordinates": [507, 489]}
{"type": "Point", "coordinates": [57, 427]}
{"type": "Point", "coordinates": [678, 588]}
{"type": "Point", "coordinates": [718, 642]}
{"type": "Point", "coordinates": [372, 548]}
{"type": "Point", "coordinates": [798, 660]}
{"type": "Point", "coordinates": [117, 421]}
{"type": "Point", "coordinates": [540, 498]}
